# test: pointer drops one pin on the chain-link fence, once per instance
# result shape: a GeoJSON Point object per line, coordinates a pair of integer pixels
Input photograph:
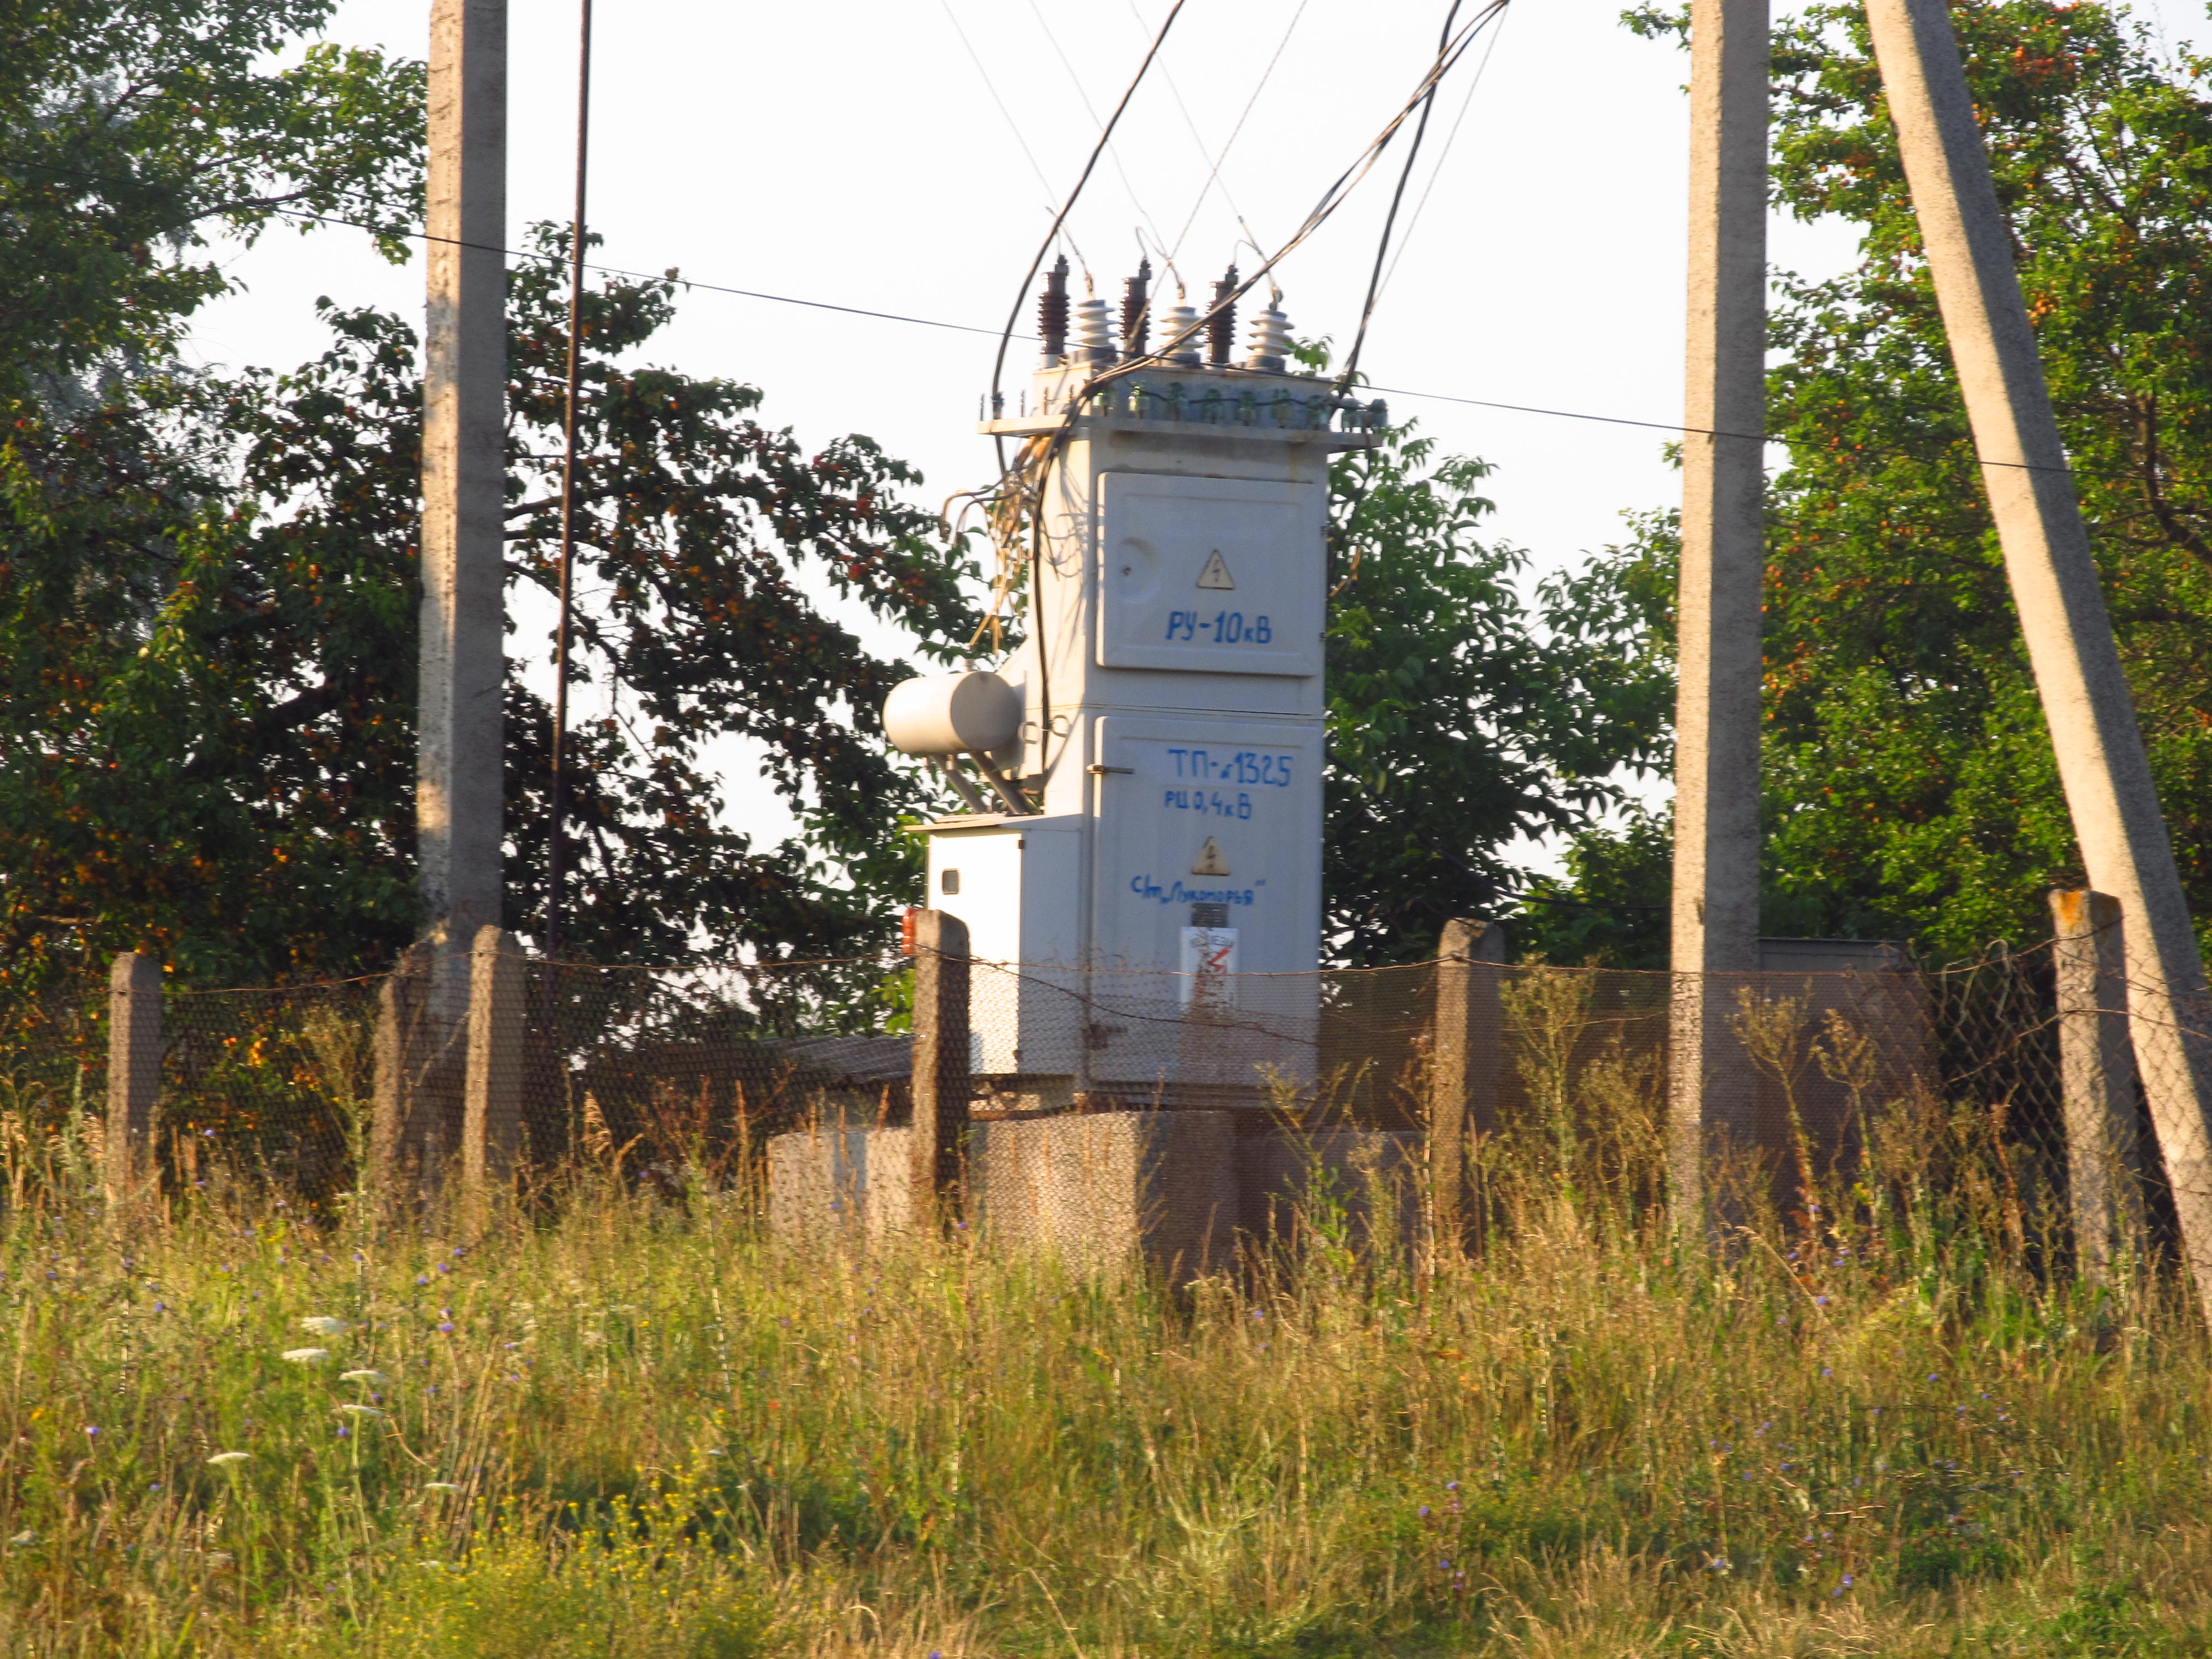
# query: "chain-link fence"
{"type": "Point", "coordinates": [487, 1067]}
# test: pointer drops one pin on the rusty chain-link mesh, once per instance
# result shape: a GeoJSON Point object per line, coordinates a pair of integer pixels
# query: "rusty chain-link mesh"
{"type": "Point", "coordinates": [679, 1074]}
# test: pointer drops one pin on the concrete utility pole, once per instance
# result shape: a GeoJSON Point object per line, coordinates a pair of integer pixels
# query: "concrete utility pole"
{"type": "Point", "coordinates": [457, 801]}
{"type": "Point", "coordinates": [1715, 900]}
{"type": "Point", "coordinates": [2101, 762]}
{"type": "Point", "coordinates": [2089, 961]}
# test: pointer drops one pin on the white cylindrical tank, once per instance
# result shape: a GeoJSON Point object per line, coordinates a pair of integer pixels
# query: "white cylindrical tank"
{"type": "Point", "coordinates": [953, 713]}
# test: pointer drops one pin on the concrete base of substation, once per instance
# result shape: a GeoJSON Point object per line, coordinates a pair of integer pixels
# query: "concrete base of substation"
{"type": "Point", "coordinates": [1098, 1189]}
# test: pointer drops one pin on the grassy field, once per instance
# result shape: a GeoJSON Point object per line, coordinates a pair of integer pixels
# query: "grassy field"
{"type": "Point", "coordinates": [633, 1427]}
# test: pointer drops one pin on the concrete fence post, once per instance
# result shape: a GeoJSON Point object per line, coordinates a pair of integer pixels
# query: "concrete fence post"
{"type": "Point", "coordinates": [2096, 1068]}
{"type": "Point", "coordinates": [491, 1122]}
{"type": "Point", "coordinates": [941, 1066]}
{"type": "Point", "coordinates": [388, 1097]}
{"type": "Point", "coordinates": [405, 1138]}
{"type": "Point", "coordinates": [134, 1075]}
{"type": "Point", "coordinates": [1463, 1063]}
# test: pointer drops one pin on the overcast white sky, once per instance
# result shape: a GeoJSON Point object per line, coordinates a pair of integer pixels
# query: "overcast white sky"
{"type": "Point", "coordinates": [902, 156]}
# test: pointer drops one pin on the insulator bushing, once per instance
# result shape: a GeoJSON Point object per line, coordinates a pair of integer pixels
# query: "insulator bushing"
{"type": "Point", "coordinates": [1182, 320]}
{"type": "Point", "coordinates": [1136, 310]}
{"type": "Point", "coordinates": [1221, 322]}
{"type": "Point", "coordinates": [1094, 331]}
{"type": "Point", "coordinates": [1270, 342]}
{"type": "Point", "coordinates": [1052, 313]}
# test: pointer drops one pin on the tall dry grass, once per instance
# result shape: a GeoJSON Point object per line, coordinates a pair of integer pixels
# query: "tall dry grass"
{"type": "Point", "coordinates": [626, 1423]}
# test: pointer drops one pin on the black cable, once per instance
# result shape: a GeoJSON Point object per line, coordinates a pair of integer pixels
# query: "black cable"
{"type": "Point", "coordinates": [557, 793]}
{"type": "Point", "coordinates": [413, 236]}
{"type": "Point", "coordinates": [1037, 632]}
{"type": "Point", "coordinates": [1390, 219]}
{"type": "Point", "coordinates": [1715, 432]}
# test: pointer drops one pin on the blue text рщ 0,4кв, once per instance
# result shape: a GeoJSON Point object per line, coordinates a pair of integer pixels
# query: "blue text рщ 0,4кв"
{"type": "Point", "coordinates": [1214, 802]}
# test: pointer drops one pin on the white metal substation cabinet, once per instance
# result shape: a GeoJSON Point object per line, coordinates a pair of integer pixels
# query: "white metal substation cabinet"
{"type": "Point", "coordinates": [1160, 919]}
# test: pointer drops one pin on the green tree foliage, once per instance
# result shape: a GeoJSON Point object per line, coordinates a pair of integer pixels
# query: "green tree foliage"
{"type": "Point", "coordinates": [231, 778]}
{"type": "Point", "coordinates": [1911, 788]}
{"type": "Point", "coordinates": [1461, 716]}
{"type": "Point", "coordinates": [207, 648]}
{"type": "Point", "coordinates": [131, 133]}
{"type": "Point", "coordinates": [707, 542]}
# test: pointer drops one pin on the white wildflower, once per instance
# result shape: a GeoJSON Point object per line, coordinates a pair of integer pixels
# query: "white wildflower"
{"type": "Point", "coordinates": [222, 1458]}
{"type": "Point", "coordinates": [23, 1540]}
{"type": "Point", "coordinates": [361, 1377]}
{"type": "Point", "coordinates": [363, 1411]}
{"type": "Point", "coordinates": [324, 1325]}
{"type": "Point", "coordinates": [440, 1485]}
{"type": "Point", "coordinates": [307, 1356]}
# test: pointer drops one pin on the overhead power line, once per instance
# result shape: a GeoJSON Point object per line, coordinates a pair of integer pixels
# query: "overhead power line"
{"type": "Point", "coordinates": [1676, 427]}
{"type": "Point", "coordinates": [1214, 171]}
{"type": "Point", "coordinates": [969, 328]}
{"type": "Point", "coordinates": [1091, 110]}
{"type": "Point", "coordinates": [1466, 103]}
{"type": "Point", "coordinates": [646, 276]}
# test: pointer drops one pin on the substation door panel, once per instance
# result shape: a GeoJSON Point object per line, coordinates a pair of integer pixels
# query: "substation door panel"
{"type": "Point", "coordinates": [1206, 827]}
{"type": "Point", "coordinates": [1210, 575]}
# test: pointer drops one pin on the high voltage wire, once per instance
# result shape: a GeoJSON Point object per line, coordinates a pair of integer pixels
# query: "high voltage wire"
{"type": "Point", "coordinates": [1091, 110]}
{"type": "Point", "coordinates": [643, 275]}
{"type": "Point", "coordinates": [1214, 171]}
{"type": "Point", "coordinates": [991, 87]}
{"type": "Point", "coordinates": [1013, 125]}
{"type": "Point", "coordinates": [1067, 206]}
{"type": "Point", "coordinates": [1339, 189]}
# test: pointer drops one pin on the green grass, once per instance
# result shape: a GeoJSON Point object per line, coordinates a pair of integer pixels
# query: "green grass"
{"type": "Point", "coordinates": [637, 1428]}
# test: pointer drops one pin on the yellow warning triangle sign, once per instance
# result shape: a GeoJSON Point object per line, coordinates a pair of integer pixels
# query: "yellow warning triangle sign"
{"type": "Point", "coordinates": [1209, 861]}
{"type": "Point", "coordinates": [1216, 573]}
